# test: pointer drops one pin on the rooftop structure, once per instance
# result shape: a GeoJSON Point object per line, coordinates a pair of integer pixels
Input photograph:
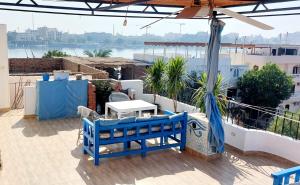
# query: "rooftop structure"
{"type": "Point", "coordinates": [129, 69]}
{"type": "Point", "coordinates": [195, 57]}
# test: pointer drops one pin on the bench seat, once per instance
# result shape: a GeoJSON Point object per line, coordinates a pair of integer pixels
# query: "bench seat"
{"type": "Point", "coordinates": [137, 130]}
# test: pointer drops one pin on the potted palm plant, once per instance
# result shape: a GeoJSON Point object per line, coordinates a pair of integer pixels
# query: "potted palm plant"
{"type": "Point", "coordinates": [155, 77]}
{"type": "Point", "coordinates": [175, 78]}
{"type": "Point", "coordinates": [199, 96]}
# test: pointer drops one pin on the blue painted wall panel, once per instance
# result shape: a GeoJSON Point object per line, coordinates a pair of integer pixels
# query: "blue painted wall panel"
{"type": "Point", "coordinates": [59, 99]}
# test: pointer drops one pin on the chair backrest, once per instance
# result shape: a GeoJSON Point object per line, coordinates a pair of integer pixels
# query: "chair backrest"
{"type": "Point", "coordinates": [83, 111]}
{"type": "Point", "coordinates": [118, 96]}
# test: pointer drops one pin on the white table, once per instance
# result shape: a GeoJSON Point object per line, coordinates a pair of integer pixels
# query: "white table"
{"type": "Point", "coordinates": [124, 107]}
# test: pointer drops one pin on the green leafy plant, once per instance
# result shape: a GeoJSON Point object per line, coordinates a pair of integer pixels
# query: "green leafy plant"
{"type": "Point", "coordinates": [103, 90]}
{"type": "Point", "coordinates": [175, 78]}
{"type": "Point", "coordinates": [154, 77]}
{"type": "Point", "coordinates": [98, 53]}
{"type": "Point", "coordinates": [266, 87]}
{"type": "Point", "coordinates": [191, 86]}
{"type": "Point", "coordinates": [199, 96]}
{"type": "Point", "coordinates": [55, 53]}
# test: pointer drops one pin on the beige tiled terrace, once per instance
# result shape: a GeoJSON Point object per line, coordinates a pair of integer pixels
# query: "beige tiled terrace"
{"type": "Point", "coordinates": [45, 152]}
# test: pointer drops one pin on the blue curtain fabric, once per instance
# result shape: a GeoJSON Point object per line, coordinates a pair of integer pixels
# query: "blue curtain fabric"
{"type": "Point", "coordinates": [216, 131]}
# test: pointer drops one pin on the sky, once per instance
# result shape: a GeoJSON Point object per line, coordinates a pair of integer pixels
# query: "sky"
{"type": "Point", "coordinates": [20, 21]}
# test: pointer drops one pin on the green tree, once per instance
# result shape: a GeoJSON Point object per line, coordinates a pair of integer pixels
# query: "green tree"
{"type": "Point", "coordinates": [175, 78]}
{"type": "Point", "coordinates": [55, 53]}
{"type": "Point", "coordinates": [265, 87]}
{"type": "Point", "coordinates": [199, 96]}
{"type": "Point", "coordinates": [98, 53]}
{"type": "Point", "coordinates": [154, 77]}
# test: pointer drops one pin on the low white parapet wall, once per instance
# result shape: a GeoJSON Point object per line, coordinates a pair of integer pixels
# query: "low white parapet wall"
{"type": "Point", "coordinates": [250, 140]}
{"type": "Point", "coordinates": [246, 140]}
{"type": "Point", "coordinates": [167, 104]}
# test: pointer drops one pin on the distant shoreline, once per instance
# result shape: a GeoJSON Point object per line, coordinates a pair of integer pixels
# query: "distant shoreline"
{"type": "Point", "coordinates": [82, 46]}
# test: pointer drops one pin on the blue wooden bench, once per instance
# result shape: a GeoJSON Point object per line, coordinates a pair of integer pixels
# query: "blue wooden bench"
{"type": "Point", "coordinates": [106, 132]}
{"type": "Point", "coordinates": [283, 177]}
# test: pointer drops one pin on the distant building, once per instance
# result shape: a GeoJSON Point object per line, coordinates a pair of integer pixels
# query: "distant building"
{"type": "Point", "coordinates": [287, 57]}
{"type": "Point", "coordinates": [41, 35]}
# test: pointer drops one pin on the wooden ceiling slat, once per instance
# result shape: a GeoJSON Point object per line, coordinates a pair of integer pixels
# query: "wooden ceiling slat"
{"type": "Point", "coordinates": [183, 3]}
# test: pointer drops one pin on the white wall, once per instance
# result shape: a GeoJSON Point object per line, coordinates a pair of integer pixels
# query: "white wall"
{"type": "Point", "coordinates": [167, 104]}
{"type": "Point", "coordinates": [137, 85]}
{"type": "Point", "coordinates": [4, 72]}
{"type": "Point", "coordinates": [29, 100]}
{"type": "Point", "coordinates": [262, 141]}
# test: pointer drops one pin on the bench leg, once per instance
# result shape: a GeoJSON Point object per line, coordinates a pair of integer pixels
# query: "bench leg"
{"type": "Point", "coordinates": [96, 161]}
{"type": "Point", "coordinates": [143, 146]}
{"type": "Point", "coordinates": [127, 145]}
{"type": "Point", "coordinates": [166, 139]}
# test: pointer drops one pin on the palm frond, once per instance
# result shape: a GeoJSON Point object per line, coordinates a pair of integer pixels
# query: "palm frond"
{"type": "Point", "coordinates": [98, 53]}
{"type": "Point", "coordinates": [176, 76]}
{"type": "Point", "coordinates": [199, 96]}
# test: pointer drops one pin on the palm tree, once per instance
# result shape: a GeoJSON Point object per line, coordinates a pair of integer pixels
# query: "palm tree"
{"type": "Point", "coordinates": [199, 95]}
{"type": "Point", "coordinates": [54, 53]}
{"type": "Point", "coordinates": [154, 78]}
{"type": "Point", "coordinates": [98, 53]}
{"type": "Point", "coordinates": [175, 78]}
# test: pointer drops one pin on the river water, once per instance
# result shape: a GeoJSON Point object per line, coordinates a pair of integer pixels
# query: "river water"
{"type": "Point", "coordinates": [125, 53]}
{"type": "Point", "coordinates": [39, 52]}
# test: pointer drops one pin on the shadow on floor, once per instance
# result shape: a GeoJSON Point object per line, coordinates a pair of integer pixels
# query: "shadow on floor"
{"type": "Point", "coordinates": [229, 169]}
{"type": "Point", "coordinates": [32, 127]}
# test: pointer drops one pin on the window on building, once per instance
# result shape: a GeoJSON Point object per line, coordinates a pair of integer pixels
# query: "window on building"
{"type": "Point", "coordinates": [274, 52]}
{"type": "Point", "coordinates": [291, 52]}
{"type": "Point", "coordinates": [296, 69]}
{"type": "Point", "coordinates": [287, 107]}
{"type": "Point", "coordinates": [236, 73]}
{"type": "Point", "coordinates": [281, 51]}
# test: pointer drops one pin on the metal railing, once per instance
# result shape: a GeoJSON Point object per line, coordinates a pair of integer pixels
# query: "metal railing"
{"type": "Point", "coordinates": [269, 119]}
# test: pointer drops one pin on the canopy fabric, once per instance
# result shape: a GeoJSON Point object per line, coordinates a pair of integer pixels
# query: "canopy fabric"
{"type": "Point", "coordinates": [216, 131]}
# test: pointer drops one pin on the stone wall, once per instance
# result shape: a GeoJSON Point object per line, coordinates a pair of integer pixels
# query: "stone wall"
{"type": "Point", "coordinates": [92, 96]}
{"type": "Point", "coordinates": [77, 67]}
{"type": "Point", "coordinates": [133, 72]}
{"type": "Point", "coordinates": [41, 65]}
{"type": "Point", "coordinates": [34, 65]}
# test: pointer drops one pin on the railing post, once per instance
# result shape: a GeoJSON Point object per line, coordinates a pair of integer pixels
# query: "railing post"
{"type": "Point", "coordinates": [283, 122]}
{"type": "Point", "coordinates": [275, 130]}
{"type": "Point", "coordinates": [297, 133]}
{"type": "Point", "coordinates": [290, 128]}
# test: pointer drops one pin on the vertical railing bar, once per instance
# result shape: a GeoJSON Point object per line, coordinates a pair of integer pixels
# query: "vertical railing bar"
{"type": "Point", "coordinates": [276, 124]}
{"type": "Point", "coordinates": [290, 131]}
{"type": "Point", "coordinates": [283, 123]}
{"type": "Point", "coordinates": [297, 133]}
